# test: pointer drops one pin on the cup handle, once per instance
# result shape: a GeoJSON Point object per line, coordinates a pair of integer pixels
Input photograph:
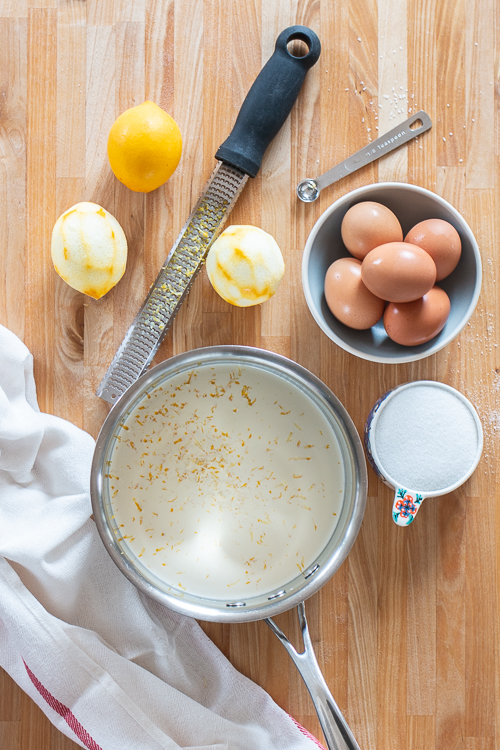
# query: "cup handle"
{"type": "Point", "coordinates": [406, 505]}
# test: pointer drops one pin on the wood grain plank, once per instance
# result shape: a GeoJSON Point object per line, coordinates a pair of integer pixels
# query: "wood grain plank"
{"type": "Point", "coordinates": [393, 82]}
{"type": "Point", "coordinates": [70, 182]}
{"type": "Point", "coordinates": [422, 52]}
{"type": "Point", "coordinates": [496, 650]}
{"type": "Point", "coordinates": [100, 184]}
{"type": "Point", "coordinates": [193, 172]}
{"type": "Point", "coordinates": [40, 196]}
{"type": "Point", "coordinates": [479, 94]}
{"type": "Point", "coordinates": [277, 190]}
{"type": "Point", "coordinates": [450, 622]}
{"type": "Point", "coordinates": [480, 743]}
{"type": "Point", "coordinates": [69, 323]}
{"type": "Point", "coordinates": [336, 628]}
{"type": "Point", "coordinates": [129, 207]}
{"type": "Point", "coordinates": [392, 628]}
{"type": "Point", "coordinates": [334, 96]}
{"type": "Point", "coordinates": [278, 344]}
{"type": "Point", "coordinates": [130, 10]}
{"type": "Point", "coordinates": [59, 741]}
{"type": "Point", "coordinates": [10, 701]}
{"type": "Point", "coordinates": [35, 730]}
{"type": "Point", "coordinates": [10, 732]}
{"type": "Point", "coordinates": [480, 668]}
{"type": "Point", "coordinates": [218, 53]}
{"type": "Point", "coordinates": [159, 87]}
{"type": "Point", "coordinates": [305, 155]}
{"type": "Point", "coordinates": [272, 665]}
{"type": "Point", "coordinates": [100, 113]}
{"type": "Point", "coordinates": [99, 13]}
{"type": "Point", "coordinates": [450, 58]}
{"type": "Point", "coordinates": [13, 8]}
{"type": "Point", "coordinates": [421, 732]}
{"type": "Point", "coordinates": [13, 88]}
{"type": "Point", "coordinates": [35, 4]}
{"type": "Point", "coordinates": [363, 661]}
{"type": "Point", "coordinates": [71, 88]}
{"type": "Point", "coordinates": [363, 84]}
{"type": "Point", "coordinates": [481, 336]}
{"type": "Point", "coordinates": [246, 65]}
{"type": "Point", "coordinates": [421, 614]}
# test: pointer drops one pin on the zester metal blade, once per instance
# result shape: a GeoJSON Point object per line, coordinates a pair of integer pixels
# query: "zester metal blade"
{"type": "Point", "coordinates": [173, 282]}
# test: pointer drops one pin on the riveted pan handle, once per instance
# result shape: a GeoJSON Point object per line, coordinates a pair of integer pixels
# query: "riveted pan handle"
{"type": "Point", "coordinates": [269, 101]}
{"type": "Point", "coordinates": [337, 733]}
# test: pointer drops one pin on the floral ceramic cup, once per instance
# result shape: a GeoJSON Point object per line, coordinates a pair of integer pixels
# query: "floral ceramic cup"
{"type": "Point", "coordinates": [423, 439]}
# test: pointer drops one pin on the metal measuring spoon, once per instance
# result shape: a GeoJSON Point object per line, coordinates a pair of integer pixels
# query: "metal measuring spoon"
{"type": "Point", "coordinates": [309, 189]}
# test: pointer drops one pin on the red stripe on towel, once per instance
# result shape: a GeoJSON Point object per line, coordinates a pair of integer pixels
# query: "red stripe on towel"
{"type": "Point", "coordinates": [306, 733]}
{"type": "Point", "coordinates": [63, 711]}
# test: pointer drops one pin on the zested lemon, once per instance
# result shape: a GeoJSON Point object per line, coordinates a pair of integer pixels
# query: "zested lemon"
{"type": "Point", "coordinates": [144, 147]}
{"type": "Point", "coordinates": [245, 265]}
{"type": "Point", "coordinates": [89, 249]}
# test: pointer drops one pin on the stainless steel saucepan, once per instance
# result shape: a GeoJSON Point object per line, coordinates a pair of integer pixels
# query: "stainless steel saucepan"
{"type": "Point", "coordinates": [302, 586]}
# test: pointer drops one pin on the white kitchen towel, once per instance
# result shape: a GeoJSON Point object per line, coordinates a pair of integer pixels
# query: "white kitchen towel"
{"type": "Point", "coordinates": [110, 668]}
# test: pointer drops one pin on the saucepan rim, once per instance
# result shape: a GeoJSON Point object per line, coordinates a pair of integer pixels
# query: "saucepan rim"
{"type": "Point", "coordinates": [327, 562]}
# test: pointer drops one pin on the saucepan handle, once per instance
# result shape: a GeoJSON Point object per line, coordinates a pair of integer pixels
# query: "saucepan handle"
{"type": "Point", "coordinates": [338, 736]}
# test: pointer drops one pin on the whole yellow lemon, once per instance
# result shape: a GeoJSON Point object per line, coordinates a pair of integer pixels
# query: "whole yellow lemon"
{"type": "Point", "coordinates": [245, 265]}
{"type": "Point", "coordinates": [89, 249]}
{"type": "Point", "coordinates": [144, 147]}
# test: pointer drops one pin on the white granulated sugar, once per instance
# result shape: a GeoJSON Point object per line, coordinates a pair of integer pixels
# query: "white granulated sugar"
{"type": "Point", "coordinates": [426, 438]}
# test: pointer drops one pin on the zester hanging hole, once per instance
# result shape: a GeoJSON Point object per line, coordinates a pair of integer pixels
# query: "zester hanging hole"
{"type": "Point", "coordinates": [297, 48]}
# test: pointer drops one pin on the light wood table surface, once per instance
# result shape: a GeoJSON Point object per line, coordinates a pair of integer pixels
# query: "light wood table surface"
{"type": "Point", "coordinates": [407, 632]}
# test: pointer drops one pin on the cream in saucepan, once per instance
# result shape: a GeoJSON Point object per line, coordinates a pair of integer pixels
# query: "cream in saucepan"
{"type": "Point", "coordinates": [225, 482]}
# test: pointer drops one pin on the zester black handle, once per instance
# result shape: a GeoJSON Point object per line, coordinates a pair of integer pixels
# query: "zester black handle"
{"type": "Point", "coordinates": [269, 101]}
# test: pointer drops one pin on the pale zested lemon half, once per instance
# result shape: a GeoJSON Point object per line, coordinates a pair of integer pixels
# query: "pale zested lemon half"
{"type": "Point", "coordinates": [89, 249]}
{"type": "Point", "coordinates": [245, 265]}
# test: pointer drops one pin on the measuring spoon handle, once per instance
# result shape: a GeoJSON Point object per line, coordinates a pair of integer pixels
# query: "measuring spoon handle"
{"type": "Point", "coordinates": [308, 190]}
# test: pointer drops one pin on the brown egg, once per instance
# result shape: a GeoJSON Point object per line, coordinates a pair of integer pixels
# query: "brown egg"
{"type": "Point", "coordinates": [414, 323]}
{"type": "Point", "coordinates": [441, 240]}
{"type": "Point", "coordinates": [398, 272]}
{"type": "Point", "coordinates": [347, 296]}
{"type": "Point", "coordinates": [367, 225]}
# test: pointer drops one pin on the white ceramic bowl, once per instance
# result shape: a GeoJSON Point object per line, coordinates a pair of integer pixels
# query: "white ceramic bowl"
{"type": "Point", "coordinates": [411, 204]}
